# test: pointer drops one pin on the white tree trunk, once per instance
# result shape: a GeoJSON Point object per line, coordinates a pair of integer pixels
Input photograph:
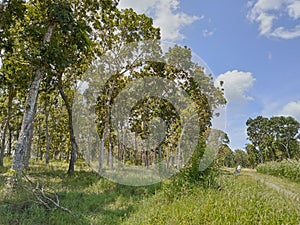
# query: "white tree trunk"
{"type": "Point", "coordinates": [29, 113]}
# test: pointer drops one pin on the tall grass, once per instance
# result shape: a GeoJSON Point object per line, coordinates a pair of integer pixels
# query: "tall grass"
{"type": "Point", "coordinates": [288, 169]}
{"type": "Point", "coordinates": [242, 200]}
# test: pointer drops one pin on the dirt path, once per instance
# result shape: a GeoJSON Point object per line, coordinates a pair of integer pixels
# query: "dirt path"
{"type": "Point", "coordinates": [290, 189]}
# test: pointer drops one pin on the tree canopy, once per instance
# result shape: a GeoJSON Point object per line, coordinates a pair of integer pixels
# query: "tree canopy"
{"type": "Point", "coordinates": [274, 138]}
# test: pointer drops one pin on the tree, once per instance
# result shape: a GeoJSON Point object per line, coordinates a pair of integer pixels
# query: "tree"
{"type": "Point", "coordinates": [255, 131]}
{"type": "Point", "coordinates": [181, 71]}
{"type": "Point", "coordinates": [285, 131]}
{"type": "Point", "coordinates": [58, 40]}
{"type": "Point", "coordinates": [241, 158]}
{"type": "Point", "coordinates": [253, 155]}
{"type": "Point", "coordinates": [273, 139]}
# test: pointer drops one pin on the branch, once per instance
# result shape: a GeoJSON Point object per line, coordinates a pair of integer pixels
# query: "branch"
{"type": "Point", "coordinates": [42, 197]}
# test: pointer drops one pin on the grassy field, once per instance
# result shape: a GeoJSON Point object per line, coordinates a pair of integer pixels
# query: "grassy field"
{"type": "Point", "coordinates": [241, 199]}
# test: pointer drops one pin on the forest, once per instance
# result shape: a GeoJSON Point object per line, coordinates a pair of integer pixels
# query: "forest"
{"type": "Point", "coordinates": [96, 113]}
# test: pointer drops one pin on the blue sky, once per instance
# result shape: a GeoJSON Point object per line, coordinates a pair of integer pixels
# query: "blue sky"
{"type": "Point", "coordinates": [253, 46]}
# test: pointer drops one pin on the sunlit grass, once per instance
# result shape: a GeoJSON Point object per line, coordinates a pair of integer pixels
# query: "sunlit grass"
{"type": "Point", "coordinates": [241, 200]}
{"type": "Point", "coordinates": [95, 200]}
{"type": "Point", "coordinates": [289, 169]}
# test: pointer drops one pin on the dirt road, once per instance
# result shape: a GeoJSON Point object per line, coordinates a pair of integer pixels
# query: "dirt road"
{"type": "Point", "coordinates": [285, 186]}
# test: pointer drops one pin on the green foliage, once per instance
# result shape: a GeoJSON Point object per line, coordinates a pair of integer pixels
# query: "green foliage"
{"type": "Point", "coordinates": [273, 139]}
{"type": "Point", "coordinates": [241, 158]}
{"type": "Point", "coordinates": [190, 176]}
{"type": "Point", "coordinates": [287, 168]}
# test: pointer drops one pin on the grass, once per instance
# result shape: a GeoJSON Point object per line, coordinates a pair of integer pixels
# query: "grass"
{"type": "Point", "coordinates": [288, 169]}
{"type": "Point", "coordinates": [92, 199]}
{"type": "Point", "coordinates": [242, 200]}
{"type": "Point", "coordinates": [95, 200]}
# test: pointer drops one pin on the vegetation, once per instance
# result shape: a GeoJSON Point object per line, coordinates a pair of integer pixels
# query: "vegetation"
{"type": "Point", "coordinates": [90, 198]}
{"type": "Point", "coordinates": [240, 201]}
{"type": "Point", "coordinates": [95, 200]}
{"type": "Point", "coordinates": [48, 48]}
{"type": "Point", "coordinates": [287, 168]}
{"type": "Point", "coordinates": [273, 139]}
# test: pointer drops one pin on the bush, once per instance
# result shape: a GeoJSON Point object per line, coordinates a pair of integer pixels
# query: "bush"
{"type": "Point", "coordinates": [288, 168]}
{"type": "Point", "coordinates": [191, 176]}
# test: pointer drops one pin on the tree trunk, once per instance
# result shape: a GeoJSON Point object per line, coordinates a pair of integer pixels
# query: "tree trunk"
{"type": "Point", "coordinates": [147, 154]}
{"type": "Point", "coordinates": [74, 146]}
{"type": "Point", "coordinates": [6, 126]}
{"type": "Point", "coordinates": [88, 150]}
{"type": "Point", "coordinates": [28, 148]}
{"type": "Point", "coordinates": [101, 154]}
{"type": "Point", "coordinates": [28, 118]}
{"type": "Point", "coordinates": [111, 147]}
{"type": "Point", "coordinates": [135, 150]}
{"type": "Point", "coordinates": [9, 142]}
{"type": "Point", "coordinates": [29, 143]}
{"type": "Point", "coordinates": [29, 113]}
{"type": "Point", "coordinates": [49, 137]}
{"type": "Point", "coordinates": [106, 130]}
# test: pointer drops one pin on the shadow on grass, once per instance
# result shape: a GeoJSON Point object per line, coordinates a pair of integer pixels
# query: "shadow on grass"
{"type": "Point", "coordinates": [115, 203]}
{"type": "Point", "coordinates": [91, 198]}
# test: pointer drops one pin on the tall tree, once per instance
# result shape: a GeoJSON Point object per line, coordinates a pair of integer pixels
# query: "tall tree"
{"type": "Point", "coordinates": [255, 131]}
{"type": "Point", "coordinates": [52, 36]}
{"type": "Point", "coordinates": [275, 138]}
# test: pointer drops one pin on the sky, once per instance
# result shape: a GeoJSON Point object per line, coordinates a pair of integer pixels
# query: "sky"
{"type": "Point", "coordinates": [253, 46]}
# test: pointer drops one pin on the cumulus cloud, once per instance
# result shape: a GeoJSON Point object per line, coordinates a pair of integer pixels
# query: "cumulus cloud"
{"type": "Point", "coordinates": [166, 16]}
{"type": "Point", "coordinates": [236, 84]}
{"type": "Point", "coordinates": [291, 109]}
{"type": "Point", "coordinates": [265, 12]}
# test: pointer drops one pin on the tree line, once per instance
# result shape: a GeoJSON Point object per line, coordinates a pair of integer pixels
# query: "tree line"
{"type": "Point", "coordinates": [47, 47]}
{"type": "Point", "coordinates": [271, 139]}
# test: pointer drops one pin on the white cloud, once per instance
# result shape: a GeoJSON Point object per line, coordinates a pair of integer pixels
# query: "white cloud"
{"type": "Point", "coordinates": [287, 33]}
{"type": "Point", "coordinates": [236, 84]}
{"type": "Point", "coordinates": [291, 109]}
{"type": "Point", "coordinates": [294, 10]}
{"type": "Point", "coordinates": [265, 12]}
{"type": "Point", "coordinates": [144, 6]}
{"type": "Point", "coordinates": [166, 16]}
{"type": "Point", "coordinates": [207, 33]}
{"type": "Point", "coordinates": [266, 23]}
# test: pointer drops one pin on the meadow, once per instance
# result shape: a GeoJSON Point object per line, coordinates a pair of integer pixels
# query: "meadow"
{"type": "Point", "coordinates": [94, 200]}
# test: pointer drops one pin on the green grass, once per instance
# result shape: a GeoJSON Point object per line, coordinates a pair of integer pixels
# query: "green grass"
{"type": "Point", "coordinates": [98, 201]}
{"type": "Point", "coordinates": [92, 199]}
{"type": "Point", "coordinates": [288, 169]}
{"type": "Point", "coordinates": [241, 200]}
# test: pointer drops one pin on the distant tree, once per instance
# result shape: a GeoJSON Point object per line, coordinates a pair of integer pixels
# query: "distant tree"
{"type": "Point", "coordinates": [241, 158]}
{"type": "Point", "coordinates": [285, 131]}
{"type": "Point", "coordinates": [273, 139]}
{"type": "Point", "coordinates": [256, 131]}
{"type": "Point", "coordinates": [253, 155]}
